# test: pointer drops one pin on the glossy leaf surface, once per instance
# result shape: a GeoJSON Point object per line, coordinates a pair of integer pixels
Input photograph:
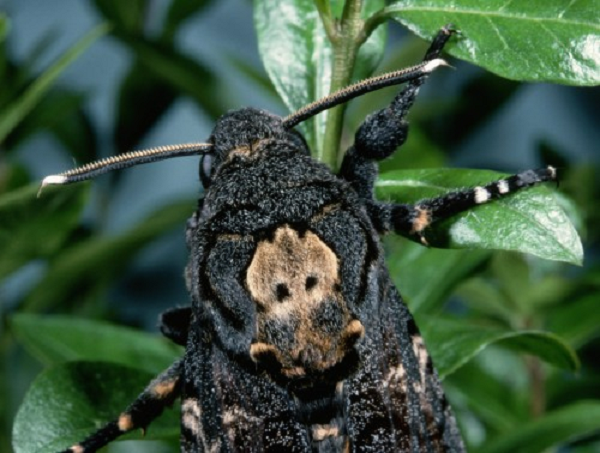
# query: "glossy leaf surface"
{"type": "Point", "coordinates": [452, 343]}
{"type": "Point", "coordinates": [536, 40]}
{"type": "Point", "coordinates": [531, 221]}
{"type": "Point", "coordinates": [68, 402]}
{"type": "Point", "coordinates": [58, 339]}
{"type": "Point", "coordinates": [558, 427]}
{"type": "Point", "coordinates": [297, 53]}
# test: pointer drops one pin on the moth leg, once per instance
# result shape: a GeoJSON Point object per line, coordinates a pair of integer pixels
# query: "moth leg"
{"type": "Point", "coordinates": [175, 324]}
{"type": "Point", "coordinates": [409, 220]}
{"type": "Point", "coordinates": [161, 392]}
{"type": "Point", "coordinates": [384, 131]}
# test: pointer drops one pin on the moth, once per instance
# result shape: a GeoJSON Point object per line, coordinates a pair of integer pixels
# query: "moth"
{"type": "Point", "coordinates": [296, 338]}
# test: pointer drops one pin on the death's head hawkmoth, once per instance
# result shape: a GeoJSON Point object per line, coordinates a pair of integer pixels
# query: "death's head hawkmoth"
{"type": "Point", "coordinates": [296, 338]}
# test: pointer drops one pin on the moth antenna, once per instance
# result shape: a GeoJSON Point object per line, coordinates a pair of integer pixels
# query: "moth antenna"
{"type": "Point", "coordinates": [362, 87]}
{"type": "Point", "coordinates": [125, 160]}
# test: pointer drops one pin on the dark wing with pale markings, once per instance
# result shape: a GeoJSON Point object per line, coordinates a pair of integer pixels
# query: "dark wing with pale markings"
{"type": "Point", "coordinates": [395, 401]}
{"type": "Point", "coordinates": [240, 411]}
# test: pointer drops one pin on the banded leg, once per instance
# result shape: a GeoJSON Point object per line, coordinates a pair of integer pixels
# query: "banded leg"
{"type": "Point", "coordinates": [161, 392]}
{"type": "Point", "coordinates": [408, 219]}
{"type": "Point", "coordinates": [384, 131]}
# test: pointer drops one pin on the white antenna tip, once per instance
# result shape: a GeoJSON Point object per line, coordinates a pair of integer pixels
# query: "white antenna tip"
{"type": "Point", "coordinates": [432, 65]}
{"type": "Point", "coordinates": [52, 180]}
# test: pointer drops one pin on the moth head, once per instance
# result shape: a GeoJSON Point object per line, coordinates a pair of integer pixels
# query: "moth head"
{"type": "Point", "coordinates": [243, 129]}
{"type": "Point", "coordinates": [242, 133]}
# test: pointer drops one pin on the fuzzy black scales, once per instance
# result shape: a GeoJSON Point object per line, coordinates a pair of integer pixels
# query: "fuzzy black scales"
{"type": "Point", "coordinates": [296, 339]}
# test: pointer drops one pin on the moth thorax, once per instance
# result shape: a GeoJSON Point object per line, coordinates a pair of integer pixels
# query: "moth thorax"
{"type": "Point", "coordinates": [303, 322]}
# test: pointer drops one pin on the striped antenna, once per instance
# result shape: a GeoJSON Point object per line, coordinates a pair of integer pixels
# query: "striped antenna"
{"type": "Point", "coordinates": [125, 160]}
{"type": "Point", "coordinates": [362, 87]}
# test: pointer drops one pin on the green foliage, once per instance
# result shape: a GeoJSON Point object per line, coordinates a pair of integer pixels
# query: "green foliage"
{"type": "Point", "coordinates": [93, 263]}
{"type": "Point", "coordinates": [14, 113]}
{"type": "Point", "coordinates": [30, 228]}
{"type": "Point", "coordinates": [540, 40]}
{"type": "Point", "coordinates": [570, 422]}
{"type": "Point", "coordinates": [93, 390]}
{"type": "Point", "coordinates": [60, 339]}
{"type": "Point", "coordinates": [506, 344]}
{"type": "Point", "coordinates": [530, 222]}
{"type": "Point", "coordinates": [453, 343]}
{"type": "Point", "coordinates": [298, 58]}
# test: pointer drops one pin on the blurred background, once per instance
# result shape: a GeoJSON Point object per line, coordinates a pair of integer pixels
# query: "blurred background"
{"type": "Point", "coordinates": [162, 76]}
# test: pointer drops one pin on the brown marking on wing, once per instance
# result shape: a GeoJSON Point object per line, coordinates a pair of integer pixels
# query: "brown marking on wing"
{"type": "Point", "coordinates": [289, 259]}
{"type": "Point", "coordinates": [423, 359]}
{"type": "Point", "coordinates": [190, 417]}
{"type": "Point", "coordinates": [259, 350]}
{"type": "Point", "coordinates": [295, 282]}
{"type": "Point", "coordinates": [320, 432]}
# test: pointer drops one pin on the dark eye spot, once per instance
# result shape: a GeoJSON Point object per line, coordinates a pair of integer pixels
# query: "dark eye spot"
{"type": "Point", "coordinates": [281, 291]}
{"type": "Point", "coordinates": [311, 282]}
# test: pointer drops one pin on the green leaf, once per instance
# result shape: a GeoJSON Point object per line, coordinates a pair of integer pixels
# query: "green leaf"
{"type": "Point", "coordinates": [555, 428]}
{"type": "Point", "coordinates": [486, 297]}
{"type": "Point", "coordinates": [54, 339]}
{"type": "Point", "coordinates": [66, 403]}
{"type": "Point", "coordinates": [577, 321]}
{"type": "Point", "coordinates": [530, 221]}
{"type": "Point", "coordinates": [452, 343]}
{"type": "Point", "coordinates": [89, 266]}
{"type": "Point", "coordinates": [427, 276]}
{"type": "Point", "coordinates": [14, 113]}
{"type": "Point", "coordinates": [182, 73]}
{"type": "Point", "coordinates": [4, 26]}
{"type": "Point", "coordinates": [143, 99]}
{"type": "Point", "coordinates": [13, 176]}
{"type": "Point", "coordinates": [60, 112]}
{"type": "Point", "coordinates": [179, 12]}
{"type": "Point", "coordinates": [32, 227]}
{"type": "Point", "coordinates": [256, 76]}
{"type": "Point", "coordinates": [493, 401]}
{"type": "Point", "coordinates": [297, 54]}
{"type": "Point", "coordinates": [536, 40]}
{"type": "Point", "coordinates": [518, 289]}
{"type": "Point", "coordinates": [129, 16]}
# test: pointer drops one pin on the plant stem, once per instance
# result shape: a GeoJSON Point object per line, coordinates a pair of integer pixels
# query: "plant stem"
{"type": "Point", "coordinates": [350, 35]}
{"type": "Point", "coordinates": [537, 384]}
{"type": "Point", "coordinates": [375, 21]}
{"type": "Point", "coordinates": [324, 8]}
{"type": "Point", "coordinates": [537, 380]}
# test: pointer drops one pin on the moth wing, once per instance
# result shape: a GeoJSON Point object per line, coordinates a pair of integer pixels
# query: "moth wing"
{"type": "Point", "coordinates": [395, 401]}
{"type": "Point", "coordinates": [226, 408]}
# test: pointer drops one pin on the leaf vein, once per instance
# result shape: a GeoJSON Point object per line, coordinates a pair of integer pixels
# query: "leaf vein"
{"type": "Point", "coordinates": [497, 31]}
{"type": "Point", "coordinates": [536, 223]}
{"type": "Point", "coordinates": [568, 7]}
{"type": "Point", "coordinates": [513, 16]}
